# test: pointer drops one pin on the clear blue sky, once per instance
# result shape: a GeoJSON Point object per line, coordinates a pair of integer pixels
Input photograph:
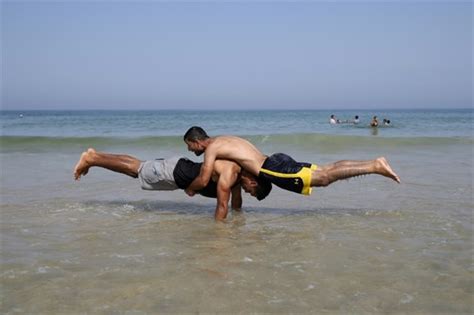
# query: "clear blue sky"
{"type": "Point", "coordinates": [209, 55]}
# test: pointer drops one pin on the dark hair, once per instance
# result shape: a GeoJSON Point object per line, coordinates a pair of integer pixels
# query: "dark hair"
{"type": "Point", "coordinates": [195, 133]}
{"type": "Point", "coordinates": [263, 189]}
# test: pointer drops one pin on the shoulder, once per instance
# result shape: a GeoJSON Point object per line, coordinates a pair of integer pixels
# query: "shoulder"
{"type": "Point", "coordinates": [223, 139]}
{"type": "Point", "coordinates": [221, 143]}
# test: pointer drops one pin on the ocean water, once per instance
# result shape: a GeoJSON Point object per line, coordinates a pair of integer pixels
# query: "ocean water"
{"type": "Point", "coordinates": [135, 124]}
{"type": "Point", "coordinates": [361, 246]}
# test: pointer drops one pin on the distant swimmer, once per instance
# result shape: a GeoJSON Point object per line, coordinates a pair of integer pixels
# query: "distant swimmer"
{"type": "Point", "coordinates": [356, 120]}
{"type": "Point", "coordinates": [280, 169]}
{"type": "Point", "coordinates": [333, 120]}
{"type": "Point", "coordinates": [177, 173]}
{"type": "Point", "coordinates": [386, 122]}
{"type": "Point", "coordinates": [374, 122]}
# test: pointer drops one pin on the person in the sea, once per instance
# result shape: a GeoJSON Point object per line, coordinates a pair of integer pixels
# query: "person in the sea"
{"type": "Point", "coordinates": [280, 169]}
{"type": "Point", "coordinates": [386, 122]}
{"type": "Point", "coordinates": [374, 122]}
{"type": "Point", "coordinates": [356, 120]}
{"type": "Point", "coordinates": [333, 120]}
{"type": "Point", "coordinates": [178, 173]}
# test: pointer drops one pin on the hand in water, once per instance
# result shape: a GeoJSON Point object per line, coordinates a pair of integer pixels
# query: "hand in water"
{"type": "Point", "coordinates": [190, 192]}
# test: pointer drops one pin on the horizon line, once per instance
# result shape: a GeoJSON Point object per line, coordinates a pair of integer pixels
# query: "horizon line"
{"type": "Point", "coordinates": [234, 109]}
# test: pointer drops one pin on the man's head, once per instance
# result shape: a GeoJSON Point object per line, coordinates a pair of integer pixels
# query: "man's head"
{"type": "Point", "coordinates": [257, 187]}
{"type": "Point", "coordinates": [196, 138]}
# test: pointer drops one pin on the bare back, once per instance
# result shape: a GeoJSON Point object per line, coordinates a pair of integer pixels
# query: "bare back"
{"type": "Point", "coordinates": [239, 150]}
{"type": "Point", "coordinates": [223, 166]}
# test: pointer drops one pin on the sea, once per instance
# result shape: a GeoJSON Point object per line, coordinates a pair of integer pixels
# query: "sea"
{"type": "Point", "coordinates": [366, 245]}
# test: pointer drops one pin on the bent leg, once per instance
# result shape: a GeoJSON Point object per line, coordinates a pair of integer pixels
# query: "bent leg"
{"type": "Point", "coordinates": [123, 164]}
{"type": "Point", "coordinates": [327, 174]}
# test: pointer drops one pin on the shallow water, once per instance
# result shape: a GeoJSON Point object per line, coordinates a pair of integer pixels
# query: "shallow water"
{"type": "Point", "coordinates": [363, 246]}
{"type": "Point", "coordinates": [135, 256]}
{"type": "Point", "coordinates": [366, 245]}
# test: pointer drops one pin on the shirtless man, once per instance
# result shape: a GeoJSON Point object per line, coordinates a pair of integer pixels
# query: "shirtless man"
{"type": "Point", "coordinates": [174, 173]}
{"type": "Point", "coordinates": [279, 169]}
{"type": "Point", "coordinates": [374, 122]}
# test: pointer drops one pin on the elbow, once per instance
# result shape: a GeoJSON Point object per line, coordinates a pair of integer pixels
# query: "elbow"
{"type": "Point", "coordinates": [202, 182]}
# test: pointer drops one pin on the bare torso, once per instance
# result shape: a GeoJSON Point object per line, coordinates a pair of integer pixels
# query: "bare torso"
{"type": "Point", "coordinates": [224, 166]}
{"type": "Point", "coordinates": [239, 150]}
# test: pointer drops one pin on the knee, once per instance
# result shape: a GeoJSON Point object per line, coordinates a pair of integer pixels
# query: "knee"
{"type": "Point", "coordinates": [321, 180]}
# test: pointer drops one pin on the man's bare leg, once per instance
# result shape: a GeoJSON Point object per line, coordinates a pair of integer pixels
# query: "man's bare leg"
{"type": "Point", "coordinates": [119, 163]}
{"type": "Point", "coordinates": [327, 174]}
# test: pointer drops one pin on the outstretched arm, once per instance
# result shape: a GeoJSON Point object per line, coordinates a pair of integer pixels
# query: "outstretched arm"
{"type": "Point", "coordinates": [227, 179]}
{"type": "Point", "coordinates": [222, 206]}
{"type": "Point", "coordinates": [205, 174]}
{"type": "Point", "coordinates": [236, 200]}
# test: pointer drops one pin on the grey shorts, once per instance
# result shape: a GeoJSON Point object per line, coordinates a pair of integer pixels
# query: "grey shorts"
{"type": "Point", "coordinates": [158, 174]}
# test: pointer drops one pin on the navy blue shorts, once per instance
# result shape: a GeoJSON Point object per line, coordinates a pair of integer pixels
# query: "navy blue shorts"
{"type": "Point", "coordinates": [286, 173]}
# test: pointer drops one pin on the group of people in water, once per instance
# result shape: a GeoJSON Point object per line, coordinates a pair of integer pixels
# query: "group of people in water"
{"type": "Point", "coordinates": [333, 120]}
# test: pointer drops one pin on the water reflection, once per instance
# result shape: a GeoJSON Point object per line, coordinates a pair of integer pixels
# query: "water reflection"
{"type": "Point", "coordinates": [374, 131]}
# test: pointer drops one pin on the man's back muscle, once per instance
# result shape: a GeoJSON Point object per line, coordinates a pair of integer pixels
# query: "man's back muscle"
{"type": "Point", "coordinates": [238, 150]}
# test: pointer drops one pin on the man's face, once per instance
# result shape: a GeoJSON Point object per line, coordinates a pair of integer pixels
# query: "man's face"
{"type": "Point", "coordinates": [195, 146]}
{"type": "Point", "coordinates": [249, 184]}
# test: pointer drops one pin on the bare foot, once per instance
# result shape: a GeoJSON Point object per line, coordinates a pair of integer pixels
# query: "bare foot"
{"type": "Point", "coordinates": [82, 167]}
{"type": "Point", "coordinates": [383, 168]}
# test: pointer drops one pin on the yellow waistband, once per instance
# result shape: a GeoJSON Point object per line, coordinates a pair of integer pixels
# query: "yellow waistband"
{"type": "Point", "coordinates": [305, 175]}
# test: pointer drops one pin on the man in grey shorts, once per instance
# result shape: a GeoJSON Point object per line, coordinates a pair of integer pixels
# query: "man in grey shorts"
{"type": "Point", "coordinates": [175, 173]}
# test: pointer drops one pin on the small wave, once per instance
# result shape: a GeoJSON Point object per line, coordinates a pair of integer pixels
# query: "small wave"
{"type": "Point", "coordinates": [303, 141]}
{"type": "Point", "coordinates": [328, 143]}
{"type": "Point", "coordinates": [45, 144]}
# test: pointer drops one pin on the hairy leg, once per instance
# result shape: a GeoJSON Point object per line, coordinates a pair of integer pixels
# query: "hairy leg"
{"type": "Point", "coordinates": [119, 163]}
{"type": "Point", "coordinates": [327, 174]}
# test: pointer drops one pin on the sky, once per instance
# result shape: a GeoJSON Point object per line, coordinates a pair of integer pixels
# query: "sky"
{"type": "Point", "coordinates": [236, 55]}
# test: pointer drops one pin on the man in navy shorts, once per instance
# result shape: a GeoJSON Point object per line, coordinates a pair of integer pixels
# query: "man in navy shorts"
{"type": "Point", "coordinates": [279, 169]}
